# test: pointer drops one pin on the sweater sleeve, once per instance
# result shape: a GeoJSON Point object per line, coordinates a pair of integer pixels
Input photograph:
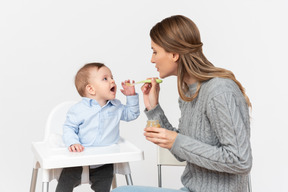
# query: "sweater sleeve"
{"type": "Point", "coordinates": [233, 153]}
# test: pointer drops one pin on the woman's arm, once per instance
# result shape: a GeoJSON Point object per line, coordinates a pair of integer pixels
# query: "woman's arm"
{"type": "Point", "coordinates": [233, 154]}
{"type": "Point", "coordinates": [153, 110]}
{"type": "Point", "coordinates": [164, 137]}
{"type": "Point", "coordinates": [160, 136]}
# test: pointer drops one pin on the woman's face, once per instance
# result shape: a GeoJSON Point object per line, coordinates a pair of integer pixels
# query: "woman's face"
{"type": "Point", "coordinates": [164, 62]}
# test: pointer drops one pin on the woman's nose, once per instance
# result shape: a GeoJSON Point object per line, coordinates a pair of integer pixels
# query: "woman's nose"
{"type": "Point", "coordinates": [152, 60]}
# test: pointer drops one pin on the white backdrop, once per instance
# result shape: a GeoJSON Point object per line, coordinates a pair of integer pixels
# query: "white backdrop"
{"type": "Point", "coordinates": [44, 43]}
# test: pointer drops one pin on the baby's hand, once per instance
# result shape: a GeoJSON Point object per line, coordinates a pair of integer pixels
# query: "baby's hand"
{"type": "Point", "coordinates": [128, 90]}
{"type": "Point", "coordinates": [76, 148]}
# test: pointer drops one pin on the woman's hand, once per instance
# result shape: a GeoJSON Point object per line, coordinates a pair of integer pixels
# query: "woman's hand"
{"type": "Point", "coordinates": [160, 136]}
{"type": "Point", "coordinates": [76, 148]}
{"type": "Point", "coordinates": [128, 90]}
{"type": "Point", "coordinates": [150, 94]}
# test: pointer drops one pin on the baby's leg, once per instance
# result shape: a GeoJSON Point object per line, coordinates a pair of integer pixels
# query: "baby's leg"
{"type": "Point", "coordinates": [101, 178]}
{"type": "Point", "coordinates": [69, 178]}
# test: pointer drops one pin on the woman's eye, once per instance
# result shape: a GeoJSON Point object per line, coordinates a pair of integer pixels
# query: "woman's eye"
{"type": "Point", "coordinates": [154, 52]}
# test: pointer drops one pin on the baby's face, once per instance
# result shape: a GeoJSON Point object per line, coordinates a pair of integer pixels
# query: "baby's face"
{"type": "Point", "coordinates": [103, 82]}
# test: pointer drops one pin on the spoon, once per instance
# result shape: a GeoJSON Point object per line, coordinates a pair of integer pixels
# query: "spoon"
{"type": "Point", "coordinates": [144, 81]}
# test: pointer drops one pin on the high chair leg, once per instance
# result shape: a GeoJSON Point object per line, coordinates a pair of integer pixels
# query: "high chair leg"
{"type": "Point", "coordinates": [33, 180]}
{"type": "Point", "coordinates": [114, 182]}
{"type": "Point", "coordinates": [45, 186]}
{"type": "Point", "coordinates": [129, 179]}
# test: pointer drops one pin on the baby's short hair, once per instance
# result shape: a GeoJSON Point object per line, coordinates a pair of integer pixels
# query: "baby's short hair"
{"type": "Point", "coordinates": [82, 76]}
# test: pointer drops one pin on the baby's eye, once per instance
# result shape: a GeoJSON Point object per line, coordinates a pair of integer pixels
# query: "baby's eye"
{"type": "Point", "coordinates": [105, 78]}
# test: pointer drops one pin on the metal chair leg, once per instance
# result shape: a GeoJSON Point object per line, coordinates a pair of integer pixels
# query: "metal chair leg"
{"type": "Point", "coordinates": [159, 176]}
{"type": "Point", "coordinates": [45, 186]}
{"type": "Point", "coordinates": [249, 184]}
{"type": "Point", "coordinates": [33, 180]}
{"type": "Point", "coordinates": [129, 179]}
{"type": "Point", "coordinates": [114, 182]}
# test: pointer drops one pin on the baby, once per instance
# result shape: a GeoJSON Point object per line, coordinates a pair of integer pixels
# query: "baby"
{"type": "Point", "coordinates": [94, 121]}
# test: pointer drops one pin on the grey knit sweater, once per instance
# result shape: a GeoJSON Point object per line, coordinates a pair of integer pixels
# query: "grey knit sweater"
{"type": "Point", "coordinates": [213, 137]}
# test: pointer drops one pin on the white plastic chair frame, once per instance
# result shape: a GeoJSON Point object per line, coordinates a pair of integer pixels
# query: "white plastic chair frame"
{"type": "Point", "coordinates": [165, 158]}
{"type": "Point", "coordinates": [53, 133]}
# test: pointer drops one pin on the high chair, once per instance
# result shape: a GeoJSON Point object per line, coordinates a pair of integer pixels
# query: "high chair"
{"type": "Point", "coordinates": [51, 155]}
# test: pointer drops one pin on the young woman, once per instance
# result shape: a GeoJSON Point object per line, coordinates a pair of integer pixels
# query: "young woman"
{"type": "Point", "coordinates": [213, 135]}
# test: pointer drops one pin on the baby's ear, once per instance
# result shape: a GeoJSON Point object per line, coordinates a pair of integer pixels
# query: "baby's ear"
{"type": "Point", "coordinates": [90, 89]}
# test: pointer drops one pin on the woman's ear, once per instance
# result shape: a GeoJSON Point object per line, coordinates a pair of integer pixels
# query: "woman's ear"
{"type": "Point", "coordinates": [175, 56]}
{"type": "Point", "coordinates": [90, 89]}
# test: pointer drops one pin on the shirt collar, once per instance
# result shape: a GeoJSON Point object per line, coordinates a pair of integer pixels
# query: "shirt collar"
{"type": "Point", "coordinates": [113, 102]}
{"type": "Point", "coordinates": [92, 102]}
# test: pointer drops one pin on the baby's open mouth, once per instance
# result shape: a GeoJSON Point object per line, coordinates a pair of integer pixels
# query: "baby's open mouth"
{"type": "Point", "coordinates": [112, 89]}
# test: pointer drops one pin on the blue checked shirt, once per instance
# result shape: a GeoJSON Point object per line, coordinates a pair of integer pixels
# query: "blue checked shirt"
{"type": "Point", "coordinates": [91, 125]}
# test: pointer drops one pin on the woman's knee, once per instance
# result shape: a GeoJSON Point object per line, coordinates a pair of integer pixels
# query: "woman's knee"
{"type": "Point", "coordinates": [130, 189]}
{"type": "Point", "coordinates": [143, 189]}
{"type": "Point", "coordinates": [120, 189]}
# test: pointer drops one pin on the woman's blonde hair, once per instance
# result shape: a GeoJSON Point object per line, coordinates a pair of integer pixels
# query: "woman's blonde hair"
{"type": "Point", "coordinates": [179, 34]}
{"type": "Point", "coordinates": [82, 77]}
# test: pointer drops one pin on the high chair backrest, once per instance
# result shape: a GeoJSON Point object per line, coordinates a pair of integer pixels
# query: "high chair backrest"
{"type": "Point", "coordinates": [54, 124]}
{"type": "Point", "coordinates": [165, 158]}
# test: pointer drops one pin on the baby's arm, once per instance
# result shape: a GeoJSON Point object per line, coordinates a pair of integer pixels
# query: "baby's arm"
{"type": "Point", "coordinates": [70, 131]}
{"type": "Point", "coordinates": [128, 90]}
{"type": "Point", "coordinates": [76, 148]}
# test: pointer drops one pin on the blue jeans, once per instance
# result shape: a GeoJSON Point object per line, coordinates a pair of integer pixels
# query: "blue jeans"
{"type": "Point", "coordinates": [146, 189]}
